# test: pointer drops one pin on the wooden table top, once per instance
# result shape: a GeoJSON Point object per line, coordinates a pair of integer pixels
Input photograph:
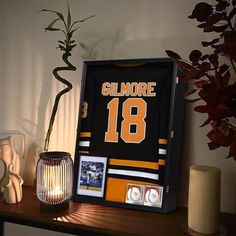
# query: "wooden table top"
{"type": "Point", "coordinates": [89, 219]}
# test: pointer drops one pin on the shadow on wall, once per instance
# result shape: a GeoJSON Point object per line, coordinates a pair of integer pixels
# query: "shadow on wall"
{"type": "Point", "coordinates": [31, 159]}
{"type": "Point", "coordinates": [35, 131]}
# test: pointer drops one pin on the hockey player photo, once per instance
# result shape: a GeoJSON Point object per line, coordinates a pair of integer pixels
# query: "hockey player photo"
{"type": "Point", "coordinates": [92, 176]}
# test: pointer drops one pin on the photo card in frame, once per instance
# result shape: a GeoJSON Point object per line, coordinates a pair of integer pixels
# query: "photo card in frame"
{"type": "Point", "coordinates": [92, 175]}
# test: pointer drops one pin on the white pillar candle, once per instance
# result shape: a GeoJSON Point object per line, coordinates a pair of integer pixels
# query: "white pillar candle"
{"type": "Point", "coordinates": [204, 199]}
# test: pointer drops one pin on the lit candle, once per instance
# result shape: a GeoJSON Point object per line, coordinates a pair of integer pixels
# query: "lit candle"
{"type": "Point", "coordinates": [55, 195]}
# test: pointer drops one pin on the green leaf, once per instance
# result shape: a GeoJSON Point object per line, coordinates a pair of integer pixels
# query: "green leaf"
{"type": "Point", "coordinates": [71, 32]}
{"type": "Point", "coordinates": [56, 12]}
{"type": "Point", "coordinates": [52, 23]}
{"type": "Point", "coordinates": [80, 21]}
{"type": "Point", "coordinates": [59, 41]}
{"type": "Point", "coordinates": [68, 18]}
{"type": "Point", "coordinates": [52, 29]}
{"type": "Point", "coordinates": [62, 48]}
{"type": "Point", "coordinates": [72, 46]}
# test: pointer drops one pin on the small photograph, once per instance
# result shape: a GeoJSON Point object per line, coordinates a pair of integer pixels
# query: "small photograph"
{"type": "Point", "coordinates": [92, 173]}
{"type": "Point", "coordinates": [153, 196]}
{"type": "Point", "coordinates": [134, 194]}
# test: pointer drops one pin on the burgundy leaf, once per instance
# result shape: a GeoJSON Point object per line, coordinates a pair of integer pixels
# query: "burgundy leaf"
{"type": "Point", "coordinates": [213, 145]}
{"type": "Point", "coordinates": [232, 13]}
{"type": "Point", "coordinates": [212, 20]}
{"type": "Point", "coordinates": [193, 100]}
{"type": "Point", "coordinates": [223, 68]}
{"type": "Point", "coordinates": [231, 90]}
{"type": "Point", "coordinates": [215, 41]}
{"type": "Point", "coordinates": [225, 79]}
{"type": "Point", "coordinates": [222, 5]}
{"type": "Point", "coordinates": [221, 28]}
{"type": "Point", "coordinates": [203, 108]}
{"type": "Point", "coordinates": [218, 48]}
{"type": "Point", "coordinates": [212, 135]}
{"type": "Point", "coordinates": [204, 57]}
{"type": "Point", "coordinates": [190, 92]}
{"type": "Point", "coordinates": [209, 93]}
{"type": "Point", "coordinates": [225, 140]}
{"type": "Point", "coordinates": [191, 17]}
{"type": "Point", "coordinates": [200, 83]}
{"type": "Point", "coordinates": [184, 66]}
{"type": "Point", "coordinates": [214, 125]}
{"type": "Point", "coordinates": [232, 150]}
{"type": "Point", "coordinates": [209, 29]}
{"type": "Point", "coordinates": [192, 74]}
{"type": "Point", "coordinates": [218, 112]}
{"type": "Point", "coordinates": [229, 47]}
{"type": "Point", "coordinates": [217, 29]}
{"type": "Point", "coordinates": [201, 11]}
{"type": "Point", "coordinates": [206, 44]}
{"type": "Point", "coordinates": [201, 25]}
{"type": "Point", "coordinates": [173, 55]}
{"type": "Point", "coordinates": [208, 120]}
{"type": "Point", "coordinates": [214, 59]}
{"type": "Point", "coordinates": [206, 66]}
{"type": "Point", "coordinates": [195, 55]}
{"type": "Point", "coordinates": [223, 128]}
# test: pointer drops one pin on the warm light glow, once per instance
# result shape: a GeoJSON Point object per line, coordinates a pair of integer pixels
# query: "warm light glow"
{"type": "Point", "coordinates": [52, 178]}
{"type": "Point", "coordinates": [56, 194]}
{"type": "Point", "coordinates": [56, 191]}
{"type": "Point", "coordinates": [53, 183]}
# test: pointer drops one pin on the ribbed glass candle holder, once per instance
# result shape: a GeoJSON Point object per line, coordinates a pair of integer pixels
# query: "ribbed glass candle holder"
{"type": "Point", "coordinates": [54, 181]}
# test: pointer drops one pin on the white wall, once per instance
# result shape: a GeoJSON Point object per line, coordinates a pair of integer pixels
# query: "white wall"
{"type": "Point", "coordinates": [121, 29]}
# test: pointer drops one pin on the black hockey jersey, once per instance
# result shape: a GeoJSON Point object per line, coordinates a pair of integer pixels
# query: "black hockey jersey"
{"type": "Point", "coordinates": [126, 112]}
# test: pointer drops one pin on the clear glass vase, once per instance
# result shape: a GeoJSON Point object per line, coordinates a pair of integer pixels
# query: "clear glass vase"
{"type": "Point", "coordinates": [54, 180]}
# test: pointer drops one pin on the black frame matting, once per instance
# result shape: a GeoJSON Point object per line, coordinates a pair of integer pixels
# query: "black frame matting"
{"type": "Point", "coordinates": [174, 133]}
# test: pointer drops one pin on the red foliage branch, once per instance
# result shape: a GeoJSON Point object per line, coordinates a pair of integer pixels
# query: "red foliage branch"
{"type": "Point", "coordinates": [214, 83]}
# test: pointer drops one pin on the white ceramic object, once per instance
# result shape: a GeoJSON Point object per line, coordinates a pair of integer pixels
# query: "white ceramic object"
{"type": "Point", "coordinates": [11, 182]}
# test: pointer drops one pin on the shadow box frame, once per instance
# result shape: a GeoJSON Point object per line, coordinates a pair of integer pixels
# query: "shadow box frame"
{"type": "Point", "coordinates": [174, 138]}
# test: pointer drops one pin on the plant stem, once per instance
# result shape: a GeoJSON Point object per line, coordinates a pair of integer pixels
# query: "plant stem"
{"type": "Point", "coordinates": [69, 67]}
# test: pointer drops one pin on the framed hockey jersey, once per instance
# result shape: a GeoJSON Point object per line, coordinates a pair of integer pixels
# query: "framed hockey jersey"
{"type": "Point", "coordinates": [129, 134]}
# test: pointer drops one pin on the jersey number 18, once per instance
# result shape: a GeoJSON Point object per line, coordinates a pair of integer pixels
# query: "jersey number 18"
{"type": "Point", "coordinates": [137, 120]}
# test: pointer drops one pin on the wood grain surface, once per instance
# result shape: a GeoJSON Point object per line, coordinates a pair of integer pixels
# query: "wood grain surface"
{"type": "Point", "coordinates": [88, 219]}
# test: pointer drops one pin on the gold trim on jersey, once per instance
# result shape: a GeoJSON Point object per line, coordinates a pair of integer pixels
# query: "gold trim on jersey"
{"type": "Point", "coordinates": [162, 162]}
{"type": "Point", "coordinates": [162, 141]}
{"type": "Point", "coordinates": [85, 134]}
{"type": "Point", "coordinates": [140, 164]}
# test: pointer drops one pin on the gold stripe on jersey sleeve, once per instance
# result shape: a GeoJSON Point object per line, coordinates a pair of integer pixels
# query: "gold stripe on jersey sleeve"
{"type": "Point", "coordinates": [141, 164]}
{"type": "Point", "coordinates": [85, 134]}
{"type": "Point", "coordinates": [116, 188]}
{"type": "Point", "coordinates": [161, 162]}
{"type": "Point", "coordinates": [162, 141]}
